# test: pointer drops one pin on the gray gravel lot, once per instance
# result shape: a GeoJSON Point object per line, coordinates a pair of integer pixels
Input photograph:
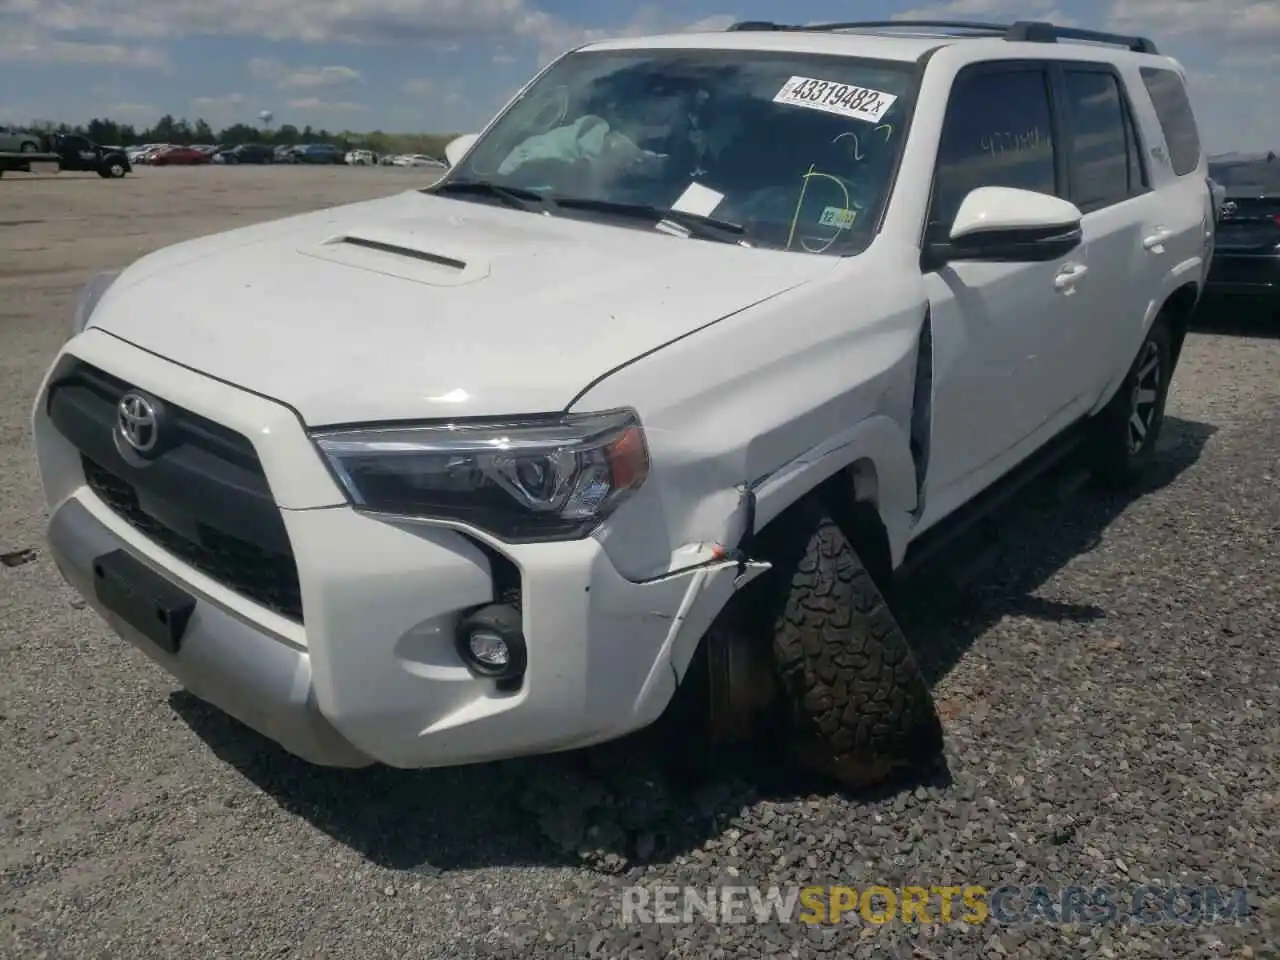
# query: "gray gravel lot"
{"type": "Point", "coordinates": [1110, 684]}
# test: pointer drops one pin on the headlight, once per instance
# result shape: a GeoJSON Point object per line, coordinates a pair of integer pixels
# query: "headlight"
{"type": "Point", "coordinates": [551, 478]}
{"type": "Point", "coordinates": [89, 297]}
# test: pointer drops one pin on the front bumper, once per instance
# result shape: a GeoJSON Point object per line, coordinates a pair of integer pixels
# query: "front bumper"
{"type": "Point", "coordinates": [374, 675]}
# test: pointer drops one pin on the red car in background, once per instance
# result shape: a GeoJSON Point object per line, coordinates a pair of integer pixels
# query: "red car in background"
{"type": "Point", "coordinates": [185, 156]}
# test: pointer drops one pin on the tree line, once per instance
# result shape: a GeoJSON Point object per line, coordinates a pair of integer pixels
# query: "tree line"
{"type": "Point", "coordinates": [169, 129]}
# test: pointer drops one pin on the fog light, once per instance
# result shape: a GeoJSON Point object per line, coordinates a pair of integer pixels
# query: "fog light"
{"type": "Point", "coordinates": [491, 642]}
{"type": "Point", "coordinates": [489, 648]}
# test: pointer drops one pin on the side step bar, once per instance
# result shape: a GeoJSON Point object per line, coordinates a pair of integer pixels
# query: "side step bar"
{"type": "Point", "coordinates": [935, 541]}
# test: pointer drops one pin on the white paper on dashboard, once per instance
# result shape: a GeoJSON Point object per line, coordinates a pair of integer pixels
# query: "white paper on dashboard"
{"type": "Point", "coordinates": [698, 200]}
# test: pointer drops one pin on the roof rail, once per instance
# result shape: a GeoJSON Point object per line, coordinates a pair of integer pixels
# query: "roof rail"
{"type": "Point", "coordinates": [1025, 31]}
{"type": "Point", "coordinates": [1032, 31]}
{"type": "Point", "coordinates": [965, 26]}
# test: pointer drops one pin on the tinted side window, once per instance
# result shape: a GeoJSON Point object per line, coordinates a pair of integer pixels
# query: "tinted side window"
{"type": "Point", "coordinates": [998, 132]}
{"type": "Point", "coordinates": [1099, 143]}
{"type": "Point", "coordinates": [1169, 96]}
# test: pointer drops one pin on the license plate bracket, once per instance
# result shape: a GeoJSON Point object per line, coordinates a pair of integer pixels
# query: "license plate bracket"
{"type": "Point", "coordinates": [142, 598]}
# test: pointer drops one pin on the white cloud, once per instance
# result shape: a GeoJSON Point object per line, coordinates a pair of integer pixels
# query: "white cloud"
{"type": "Point", "coordinates": [23, 43]}
{"type": "Point", "coordinates": [300, 78]}
{"type": "Point", "coordinates": [440, 23]}
{"type": "Point", "coordinates": [420, 88]}
{"type": "Point", "coordinates": [127, 112]}
{"type": "Point", "coordinates": [553, 37]}
{"type": "Point", "coordinates": [1241, 21]}
{"type": "Point", "coordinates": [223, 109]}
{"type": "Point", "coordinates": [1001, 11]}
{"type": "Point", "coordinates": [226, 101]}
{"type": "Point", "coordinates": [315, 103]}
{"type": "Point", "coordinates": [354, 21]}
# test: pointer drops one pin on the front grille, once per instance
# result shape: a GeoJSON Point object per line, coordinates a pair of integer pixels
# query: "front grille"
{"type": "Point", "coordinates": [204, 497]}
{"type": "Point", "coordinates": [270, 579]}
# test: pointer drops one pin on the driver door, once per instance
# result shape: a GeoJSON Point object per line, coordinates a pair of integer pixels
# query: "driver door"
{"type": "Point", "coordinates": [1001, 331]}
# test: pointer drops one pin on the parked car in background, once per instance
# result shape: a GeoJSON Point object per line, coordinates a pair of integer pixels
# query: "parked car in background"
{"type": "Point", "coordinates": [149, 154]}
{"type": "Point", "coordinates": [181, 156]}
{"type": "Point", "coordinates": [282, 153]}
{"type": "Point", "coordinates": [139, 153]}
{"type": "Point", "coordinates": [1246, 260]}
{"type": "Point", "coordinates": [361, 158]}
{"type": "Point", "coordinates": [247, 153]}
{"type": "Point", "coordinates": [315, 153]}
{"type": "Point", "coordinates": [17, 140]}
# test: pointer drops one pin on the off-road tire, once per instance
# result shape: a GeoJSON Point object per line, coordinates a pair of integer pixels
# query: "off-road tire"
{"type": "Point", "coordinates": [28, 146]}
{"type": "Point", "coordinates": [860, 708]}
{"type": "Point", "coordinates": [115, 170]}
{"type": "Point", "coordinates": [1119, 449]}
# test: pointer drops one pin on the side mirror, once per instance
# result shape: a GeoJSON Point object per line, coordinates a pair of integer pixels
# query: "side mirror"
{"type": "Point", "coordinates": [1008, 225]}
{"type": "Point", "coordinates": [458, 147]}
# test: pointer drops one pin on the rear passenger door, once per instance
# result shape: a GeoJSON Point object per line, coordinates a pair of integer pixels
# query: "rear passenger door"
{"type": "Point", "coordinates": [1125, 233]}
{"type": "Point", "coordinates": [1181, 171]}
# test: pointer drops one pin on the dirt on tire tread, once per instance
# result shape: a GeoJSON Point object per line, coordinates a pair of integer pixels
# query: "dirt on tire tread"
{"type": "Point", "coordinates": [844, 662]}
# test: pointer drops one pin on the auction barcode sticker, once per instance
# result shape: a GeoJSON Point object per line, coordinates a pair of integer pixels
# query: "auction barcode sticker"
{"type": "Point", "coordinates": [842, 99]}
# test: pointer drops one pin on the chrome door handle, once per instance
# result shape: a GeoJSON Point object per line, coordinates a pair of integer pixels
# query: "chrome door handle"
{"type": "Point", "coordinates": [1068, 276]}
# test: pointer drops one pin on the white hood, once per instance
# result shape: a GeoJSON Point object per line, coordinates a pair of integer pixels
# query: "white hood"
{"type": "Point", "coordinates": [416, 306]}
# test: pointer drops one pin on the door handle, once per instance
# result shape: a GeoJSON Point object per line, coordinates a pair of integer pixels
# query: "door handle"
{"type": "Point", "coordinates": [1068, 276]}
{"type": "Point", "coordinates": [1155, 242]}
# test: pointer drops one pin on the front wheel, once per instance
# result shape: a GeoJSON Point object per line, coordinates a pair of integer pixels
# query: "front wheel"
{"type": "Point", "coordinates": [860, 706]}
{"type": "Point", "coordinates": [29, 147]}
{"type": "Point", "coordinates": [1124, 433]}
{"type": "Point", "coordinates": [115, 170]}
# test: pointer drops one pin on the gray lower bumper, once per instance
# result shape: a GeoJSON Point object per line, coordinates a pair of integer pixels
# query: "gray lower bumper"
{"type": "Point", "coordinates": [261, 681]}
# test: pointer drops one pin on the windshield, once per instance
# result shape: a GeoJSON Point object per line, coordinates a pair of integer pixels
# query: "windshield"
{"type": "Point", "coordinates": [798, 150]}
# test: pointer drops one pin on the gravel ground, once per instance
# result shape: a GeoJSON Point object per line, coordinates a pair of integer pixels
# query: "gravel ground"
{"type": "Point", "coordinates": [1110, 683]}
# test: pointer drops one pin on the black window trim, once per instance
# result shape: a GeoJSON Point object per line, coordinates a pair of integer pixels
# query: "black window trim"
{"type": "Point", "coordinates": [1021, 65]}
{"type": "Point", "coordinates": [1132, 135]}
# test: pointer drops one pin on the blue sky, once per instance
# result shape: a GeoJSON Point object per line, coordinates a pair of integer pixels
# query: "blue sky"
{"type": "Point", "coordinates": [420, 65]}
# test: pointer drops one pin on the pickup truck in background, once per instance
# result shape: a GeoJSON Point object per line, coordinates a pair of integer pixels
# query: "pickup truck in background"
{"type": "Point", "coordinates": [70, 152]}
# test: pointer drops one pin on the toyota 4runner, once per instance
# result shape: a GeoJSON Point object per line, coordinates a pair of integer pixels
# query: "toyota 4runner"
{"type": "Point", "coordinates": [692, 348]}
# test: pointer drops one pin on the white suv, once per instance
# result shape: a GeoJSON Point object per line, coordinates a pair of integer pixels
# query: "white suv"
{"type": "Point", "coordinates": [702, 339]}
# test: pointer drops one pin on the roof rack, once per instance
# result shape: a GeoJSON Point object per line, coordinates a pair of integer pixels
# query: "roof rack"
{"type": "Point", "coordinates": [1023, 31]}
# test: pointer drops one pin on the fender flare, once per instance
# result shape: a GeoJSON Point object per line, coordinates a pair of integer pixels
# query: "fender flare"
{"type": "Point", "coordinates": [888, 480]}
{"type": "Point", "coordinates": [1186, 274]}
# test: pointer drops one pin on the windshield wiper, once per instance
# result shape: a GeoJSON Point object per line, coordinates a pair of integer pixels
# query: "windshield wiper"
{"type": "Point", "coordinates": [517, 197]}
{"type": "Point", "coordinates": [702, 227]}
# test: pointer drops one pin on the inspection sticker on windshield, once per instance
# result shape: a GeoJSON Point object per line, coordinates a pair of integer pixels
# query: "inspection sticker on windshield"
{"type": "Point", "coordinates": [842, 99]}
{"type": "Point", "coordinates": [838, 217]}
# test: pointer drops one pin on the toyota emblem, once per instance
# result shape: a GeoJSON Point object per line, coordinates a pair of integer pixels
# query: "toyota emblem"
{"type": "Point", "coordinates": [139, 422]}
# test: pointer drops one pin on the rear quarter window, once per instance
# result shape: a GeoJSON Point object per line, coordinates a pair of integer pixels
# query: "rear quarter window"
{"type": "Point", "coordinates": [1177, 121]}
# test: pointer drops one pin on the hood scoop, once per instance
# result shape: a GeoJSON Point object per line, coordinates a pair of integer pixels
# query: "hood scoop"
{"type": "Point", "coordinates": [404, 254]}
